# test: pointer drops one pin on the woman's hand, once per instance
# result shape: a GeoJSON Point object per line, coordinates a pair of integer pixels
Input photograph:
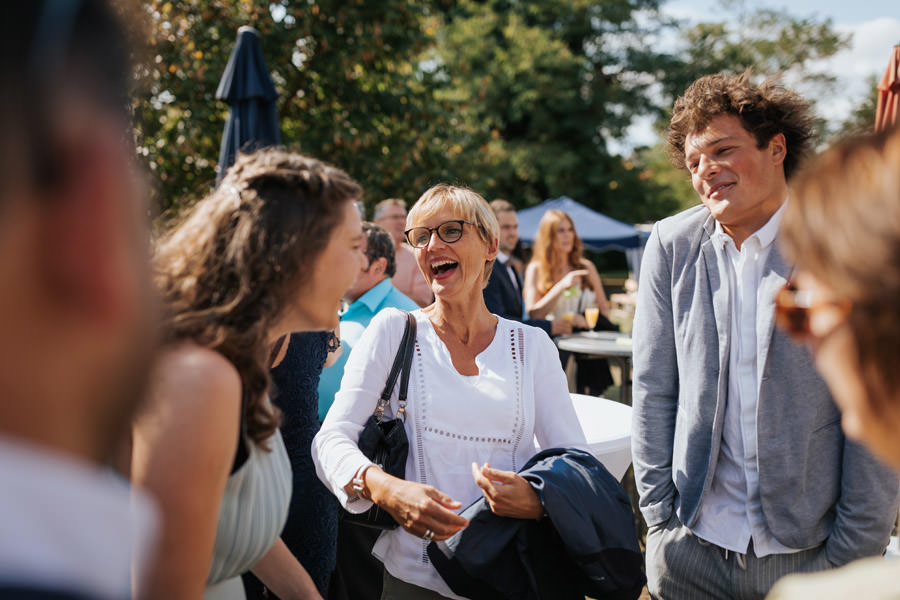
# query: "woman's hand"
{"type": "Point", "coordinates": [573, 278]}
{"type": "Point", "coordinates": [579, 322]}
{"type": "Point", "coordinates": [417, 508]}
{"type": "Point", "coordinates": [284, 576]}
{"type": "Point", "coordinates": [507, 493]}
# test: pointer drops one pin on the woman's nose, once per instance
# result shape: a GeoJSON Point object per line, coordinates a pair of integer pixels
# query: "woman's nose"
{"type": "Point", "coordinates": [434, 239]}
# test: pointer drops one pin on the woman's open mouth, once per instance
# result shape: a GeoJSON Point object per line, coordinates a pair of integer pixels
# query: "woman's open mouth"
{"type": "Point", "coordinates": [443, 267]}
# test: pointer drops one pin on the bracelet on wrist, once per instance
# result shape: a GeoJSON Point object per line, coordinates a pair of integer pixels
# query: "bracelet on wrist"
{"type": "Point", "coordinates": [358, 483]}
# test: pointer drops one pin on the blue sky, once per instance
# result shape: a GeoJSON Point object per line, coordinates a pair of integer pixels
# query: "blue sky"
{"type": "Point", "coordinates": [873, 27]}
{"type": "Point", "coordinates": [841, 11]}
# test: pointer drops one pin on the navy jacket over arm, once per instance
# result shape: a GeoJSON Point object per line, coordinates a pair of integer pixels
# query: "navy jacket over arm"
{"type": "Point", "coordinates": [586, 546]}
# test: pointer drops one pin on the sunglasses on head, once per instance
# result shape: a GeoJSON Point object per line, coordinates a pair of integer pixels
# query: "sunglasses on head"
{"type": "Point", "coordinates": [794, 309]}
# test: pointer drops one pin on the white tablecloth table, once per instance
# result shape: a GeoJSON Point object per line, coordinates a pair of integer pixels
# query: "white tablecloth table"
{"type": "Point", "coordinates": [607, 344]}
{"type": "Point", "coordinates": [607, 429]}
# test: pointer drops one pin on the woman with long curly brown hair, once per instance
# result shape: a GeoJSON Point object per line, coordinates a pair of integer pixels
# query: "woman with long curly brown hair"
{"type": "Point", "coordinates": [269, 252]}
{"type": "Point", "coordinates": [557, 266]}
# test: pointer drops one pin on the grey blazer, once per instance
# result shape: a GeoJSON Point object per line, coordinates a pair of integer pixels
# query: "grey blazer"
{"type": "Point", "coordinates": [815, 485]}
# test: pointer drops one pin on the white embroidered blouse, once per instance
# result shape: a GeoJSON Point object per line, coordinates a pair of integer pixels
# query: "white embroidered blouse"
{"type": "Point", "coordinates": [453, 420]}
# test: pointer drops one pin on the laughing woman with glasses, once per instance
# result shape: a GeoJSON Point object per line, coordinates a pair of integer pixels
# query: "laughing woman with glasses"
{"type": "Point", "coordinates": [842, 228]}
{"type": "Point", "coordinates": [481, 388]}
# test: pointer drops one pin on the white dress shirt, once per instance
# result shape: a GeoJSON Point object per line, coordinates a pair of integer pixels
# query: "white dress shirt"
{"type": "Point", "coordinates": [69, 525]}
{"type": "Point", "coordinates": [730, 513]}
{"type": "Point", "coordinates": [503, 261]}
{"type": "Point", "coordinates": [452, 420]}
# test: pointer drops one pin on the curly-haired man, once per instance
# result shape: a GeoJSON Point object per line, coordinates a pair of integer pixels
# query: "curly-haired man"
{"type": "Point", "coordinates": [743, 471]}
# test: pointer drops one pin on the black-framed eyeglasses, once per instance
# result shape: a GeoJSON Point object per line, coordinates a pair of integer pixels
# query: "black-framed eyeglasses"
{"type": "Point", "coordinates": [448, 231]}
{"type": "Point", "coordinates": [794, 309]}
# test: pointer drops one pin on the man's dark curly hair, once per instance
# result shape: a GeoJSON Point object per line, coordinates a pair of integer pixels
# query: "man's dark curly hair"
{"type": "Point", "coordinates": [765, 110]}
{"type": "Point", "coordinates": [379, 243]}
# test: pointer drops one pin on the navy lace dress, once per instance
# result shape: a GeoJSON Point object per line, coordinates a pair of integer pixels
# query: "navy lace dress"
{"type": "Point", "coordinates": [311, 529]}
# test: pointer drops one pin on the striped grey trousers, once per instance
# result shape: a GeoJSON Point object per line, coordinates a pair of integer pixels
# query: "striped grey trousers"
{"type": "Point", "coordinates": [681, 566]}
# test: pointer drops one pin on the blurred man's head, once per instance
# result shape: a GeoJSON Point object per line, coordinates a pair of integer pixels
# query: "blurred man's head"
{"type": "Point", "coordinates": [509, 225]}
{"type": "Point", "coordinates": [391, 215]}
{"type": "Point", "coordinates": [76, 311]}
{"type": "Point", "coordinates": [378, 246]}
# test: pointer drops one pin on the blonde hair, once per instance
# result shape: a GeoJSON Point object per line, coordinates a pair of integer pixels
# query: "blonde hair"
{"type": "Point", "coordinates": [543, 253]}
{"type": "Point", "coordinates": [469, 205]}
{"type": "Point", "coordinates": [842, 225]}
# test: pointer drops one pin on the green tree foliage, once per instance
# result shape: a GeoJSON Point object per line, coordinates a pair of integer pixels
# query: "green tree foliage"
{"type": "Point", "coordinates": [536, 88]}
{"type": "Point", "coordinates": [516, 98]}
{"type": "Point", "coordinates": [350, 90]}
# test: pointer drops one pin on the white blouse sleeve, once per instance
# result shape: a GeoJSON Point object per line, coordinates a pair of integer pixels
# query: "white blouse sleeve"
{"type": "Point", "coordinates": [556, 425]}
{"type": "Point", "coordinates": [334, 449]}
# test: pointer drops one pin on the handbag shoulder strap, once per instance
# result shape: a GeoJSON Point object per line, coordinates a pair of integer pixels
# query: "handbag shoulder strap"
{"type": "Point", "coordinates": [402, 363]}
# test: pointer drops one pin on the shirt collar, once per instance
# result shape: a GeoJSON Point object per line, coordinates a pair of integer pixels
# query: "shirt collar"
{"type": "Point", "coordinates": [374, 297]}
{"type": "Point", "coordinates": [765, 235]}
{"type": "Point", "coordinates": [502, 257]}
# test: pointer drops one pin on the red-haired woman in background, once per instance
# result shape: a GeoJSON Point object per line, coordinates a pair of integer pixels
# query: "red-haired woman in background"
{"type": "Point", "coordinates": [561, 284]}
{"type": "Point", "coordinates": [556, 268]}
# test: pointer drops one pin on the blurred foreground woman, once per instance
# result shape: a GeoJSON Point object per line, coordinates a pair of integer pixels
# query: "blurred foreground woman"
{"type": "Point", "coordinates": [842, 229]}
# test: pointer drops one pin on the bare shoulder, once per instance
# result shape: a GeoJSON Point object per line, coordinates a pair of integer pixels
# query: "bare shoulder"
{"type": "Point", "coordinates": [197, 372]}
{"type": "Point", "coordinates": [193, 384]}
{"type": "Point", "coordinates": [193, 412]}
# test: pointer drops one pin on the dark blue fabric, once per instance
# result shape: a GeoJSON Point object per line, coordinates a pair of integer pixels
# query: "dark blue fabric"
{"type": "Point", "coordinates": [586, 547]}
{"type": "Point", "coordinates": [504, 300]}
{"type": "Point", "coordinates": [311, 528]}
{"type": "Point", "coordinates": [8, 592]}
{"type": "Point", "coordinates": [247, 87]}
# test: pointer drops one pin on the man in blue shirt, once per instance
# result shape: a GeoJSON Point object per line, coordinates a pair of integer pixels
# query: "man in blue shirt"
{"type": "Point", "coordinates": [371, 292]}
{"type": "Point", "coordinates": [358, 574]}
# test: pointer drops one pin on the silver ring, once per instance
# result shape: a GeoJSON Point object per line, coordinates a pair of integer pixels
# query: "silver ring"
{"type": "Point", "coordinates": [428, 535]}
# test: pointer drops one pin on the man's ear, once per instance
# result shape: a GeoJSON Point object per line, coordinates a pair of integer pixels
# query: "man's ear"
{"type": "Point", "coordinates": [379, 265]}
{"type": "Point", "coordinates": [87, 230]}
{"type": "Point", "coordinates": [778, 148]}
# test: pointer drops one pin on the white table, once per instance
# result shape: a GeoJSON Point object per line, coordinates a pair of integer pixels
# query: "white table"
{"type": "Point", "coordinates": [607, 429]}
{"type": "Point", "coordinates": [607, 344]}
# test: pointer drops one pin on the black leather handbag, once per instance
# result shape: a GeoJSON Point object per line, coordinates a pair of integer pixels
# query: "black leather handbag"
{"type": "Point", "coordinates": [384, 441]}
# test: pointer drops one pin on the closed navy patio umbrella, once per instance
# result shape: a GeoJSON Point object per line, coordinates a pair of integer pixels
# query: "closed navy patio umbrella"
{"type": "Point", "coordinates": [247, 88]}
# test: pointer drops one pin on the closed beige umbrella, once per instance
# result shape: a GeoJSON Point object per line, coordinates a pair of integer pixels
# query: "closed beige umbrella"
{"type": "Point", "coordinates": [886, 114]}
